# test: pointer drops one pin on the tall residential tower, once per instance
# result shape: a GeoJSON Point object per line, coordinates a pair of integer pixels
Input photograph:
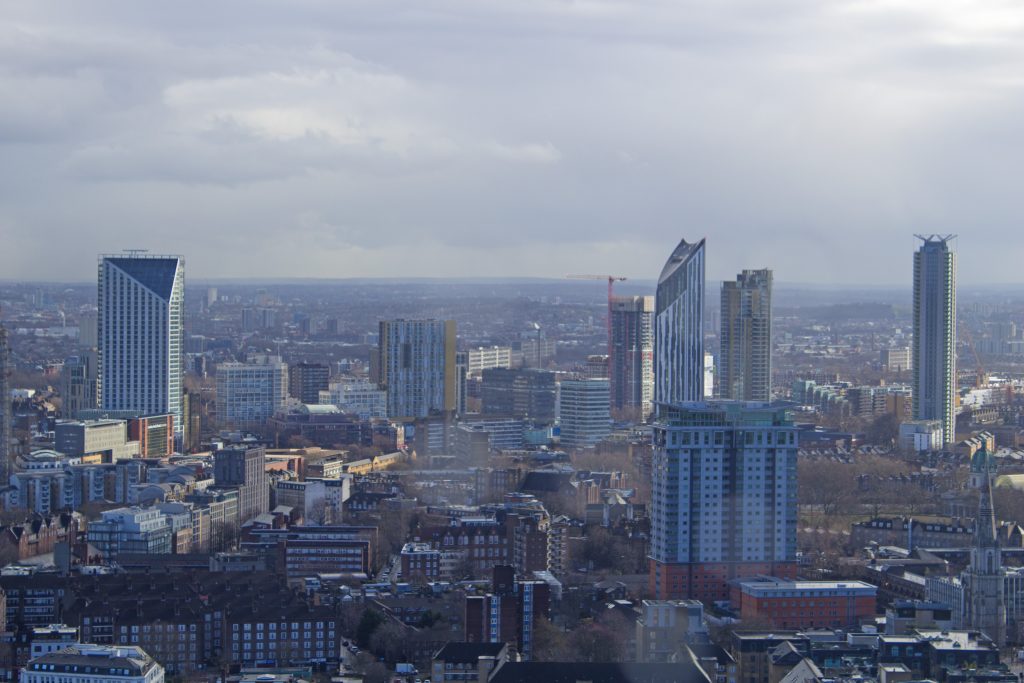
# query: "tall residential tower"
{"type": "Point", "coordinates": [679, 327]}
{"type": "Point", "coordinates": [631, 364]}
{"type": "Point", "coordinates": [934, 349]}
{"type": "Point", "coordinates": [723, 501]}
{"type": "Point", "coordinates": [745, 358]}
{"type": "Point", "coordinates": [417, 366]}
{"type": "Point", "coordinates": [141, 302]}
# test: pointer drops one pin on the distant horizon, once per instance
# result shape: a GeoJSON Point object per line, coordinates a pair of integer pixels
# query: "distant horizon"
{"type": "Point", "coordinates": [512, 280]}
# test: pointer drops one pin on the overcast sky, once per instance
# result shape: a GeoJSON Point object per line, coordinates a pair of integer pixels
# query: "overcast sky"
{"type": "Point", "coordinates": [513, 138]}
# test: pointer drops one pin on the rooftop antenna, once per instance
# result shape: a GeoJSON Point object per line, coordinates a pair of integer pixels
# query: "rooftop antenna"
{"type": "Point", "coordinates": [935, 238]}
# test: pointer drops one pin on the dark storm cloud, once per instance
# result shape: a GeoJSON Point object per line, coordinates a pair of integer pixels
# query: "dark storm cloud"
{"type": "Point", "coordinates": [467, 137]}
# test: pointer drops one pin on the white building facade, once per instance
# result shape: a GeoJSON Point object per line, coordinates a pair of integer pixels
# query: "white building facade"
{"type": "Point", "coordinates": [584, 411]}
{"type": "Point", "coordinates": [141, 301]}
{"type": "Point", "coordinates": [249, 393]}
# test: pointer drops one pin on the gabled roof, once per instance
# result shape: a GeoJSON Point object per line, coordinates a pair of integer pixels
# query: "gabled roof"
{"type": "Point", "coordinates": [785, 652]}
{"type": "Point", "coordinates": [805, 671]}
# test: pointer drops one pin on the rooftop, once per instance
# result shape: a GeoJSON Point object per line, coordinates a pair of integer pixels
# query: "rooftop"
{"type": "Point", "coordinates": [573, 672]}
{"type": "Point", "coordinates": [100, 660]}
{"type": "Point", "coordinates": [468, 653]}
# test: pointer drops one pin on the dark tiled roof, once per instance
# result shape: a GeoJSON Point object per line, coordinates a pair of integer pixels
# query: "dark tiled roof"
{"type": "Point", "coordinates": [539, 480]}
{"type": "Point", "coordinates": [708, 650]}
{"type": "Point", "coordinates": [573, 672]}
{"type": "Point", "coordinates": [468, 653]}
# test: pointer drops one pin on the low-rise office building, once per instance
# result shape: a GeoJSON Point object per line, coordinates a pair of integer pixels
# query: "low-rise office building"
{"type": "Point", "coordinates": [131, 530]}
{"type": "Point", "coordinates": [94, 664]}
{"type": "Point", "coordinates": [804, 604]}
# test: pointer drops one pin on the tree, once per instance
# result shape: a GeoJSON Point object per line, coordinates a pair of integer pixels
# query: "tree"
{"type": "Point", "coordinates": [375, 672]}
{"type": "Point", "coordinates": [1008, 503]}
{"type": "Point", "coordinates": [594, 642]}
{"type": "Point", "coordinates": [368, 623]}
{"type": "Point", "coordinates": [550, 643]}
{"type": "Point", "coordinates": [394, 528]}
{"type": "Point", "coordinates": [825, 484]}
{"type": "Point", "coordinates": [883, 430]}
{"type": "Point", "coordinates": [320, 513]}
{"type": "Point", "coordinates": [389, 641]}
{"type": "Point", "coordinates": [608, 551]}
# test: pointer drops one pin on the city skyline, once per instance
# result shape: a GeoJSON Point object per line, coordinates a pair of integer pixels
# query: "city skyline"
{"type": "Point", "coordinates": [565, 340]}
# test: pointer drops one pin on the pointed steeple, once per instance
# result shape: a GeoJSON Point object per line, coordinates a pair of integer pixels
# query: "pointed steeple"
{"type": "Point", "coordinates": [985, 531]}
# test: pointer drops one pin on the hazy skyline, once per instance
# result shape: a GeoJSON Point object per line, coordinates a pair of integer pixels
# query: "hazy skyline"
{"type": "Point", "coordinates": [471, 138]}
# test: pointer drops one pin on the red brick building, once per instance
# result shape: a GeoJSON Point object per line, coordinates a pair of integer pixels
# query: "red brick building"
{"type": "Point", "coordinates": [508, 613]}
{"type": "Point", "coordinates": [709, 581]}
{"type": "Point", "coordinates": [804, 604]}
{"type": "Point", "coordinates": [486, 542]}
{"type": "Point", "coordinates": [37, 536]}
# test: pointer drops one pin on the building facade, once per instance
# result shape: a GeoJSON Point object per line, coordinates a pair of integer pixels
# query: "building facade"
{"type": "Point", "coordinates": [933, 359]}
{"type": "Point", "coordinates": [484, 357]}
{"type": "Point", "coordinates": [307, 380]}
{"type": "Point", "coordinates": [519, 392]}
{"type": "Point", "coordinates": [805, 604]}
{"type": "Point", "coordinates": [78, 383]}
{"type": "Point", "coordinates": [745, 358]}
{"type": "Point", "coordinates": [584, 412]}
{"type": "Point", "coordinates": [896, 359]}
{"type": "Point", "coordinates": [631, 364]}
{"type": "Point", "coordinates": [141, 301]}
{"type": "Point", "coordinates": [679, 326]}
{"type": "Point", "coordinates": [724, 497]}
{"type": "Point", "coordinates": [94, 664]}
{"type": "Point", "coordinates": [95, 440]}
{"type": "Point", "coordinates": [131, 530]}
{"type": "Point", "coordinates": [417, 367]}
{"type": "Point", "coordinates": [245, 470]}
{"type": "Point", "coordinates": [357, 397]}
{"type": "Point", "coordinates": [249, 393]}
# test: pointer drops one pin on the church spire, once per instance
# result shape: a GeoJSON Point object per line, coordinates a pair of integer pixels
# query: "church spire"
{"type": "Point", "coordinates": [985, 530]}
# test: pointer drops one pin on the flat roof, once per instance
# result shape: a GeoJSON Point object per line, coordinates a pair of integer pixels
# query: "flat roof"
{"type": "Point", "coordinates": [769, 587]}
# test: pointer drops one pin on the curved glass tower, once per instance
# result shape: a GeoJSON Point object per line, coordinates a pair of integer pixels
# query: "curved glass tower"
{"type": "Point", "coordinates": [679, 327]}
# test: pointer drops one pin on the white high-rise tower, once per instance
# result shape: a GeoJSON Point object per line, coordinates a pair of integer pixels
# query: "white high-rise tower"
{"type": "Point", "coordinates": [141, 300]}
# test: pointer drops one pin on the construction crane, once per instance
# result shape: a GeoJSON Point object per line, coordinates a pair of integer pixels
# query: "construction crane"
{"type": "Point", "coordinates": [612, 279]}
{"type": "Point", "coordinates": [980, 376]}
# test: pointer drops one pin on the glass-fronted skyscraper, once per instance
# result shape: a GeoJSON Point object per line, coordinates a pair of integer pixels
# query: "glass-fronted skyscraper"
{"type": "Point", "coordinates": [745, 358]}
{"type": "Point", "coordinates": [679, 327]}
{"type": "Point", "coordinates": [141, 300]}
{"type": "Point", "coordinates": [934, 349]}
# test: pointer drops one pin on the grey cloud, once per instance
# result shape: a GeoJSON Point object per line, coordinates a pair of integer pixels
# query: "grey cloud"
{"type": "Point", "coordinates": [510, 137]}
